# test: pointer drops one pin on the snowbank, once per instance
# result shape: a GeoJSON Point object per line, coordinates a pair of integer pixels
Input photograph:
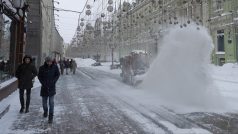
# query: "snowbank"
{"type": "Point", "coordinates": [227, 72]}
{"type": "Point", "coordinates": [105, 66]}
{"type": "Point", "coordinates": [84, 62]}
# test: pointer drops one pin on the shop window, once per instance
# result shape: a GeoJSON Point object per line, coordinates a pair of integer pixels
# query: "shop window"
{"type": "Point", "coordinates": [5, 37]}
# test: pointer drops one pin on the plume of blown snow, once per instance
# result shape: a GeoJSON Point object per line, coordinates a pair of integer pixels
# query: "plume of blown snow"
{"type": "Point", "coordinates": [181, 72]}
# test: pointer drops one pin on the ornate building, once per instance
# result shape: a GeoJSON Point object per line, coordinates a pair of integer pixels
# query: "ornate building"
{"type": "Point", "coordinates": [224, 30]}
{"type": "Point", "coordinates": [42, 39]}
{"type": "Point", "coordinates": [141, 25]}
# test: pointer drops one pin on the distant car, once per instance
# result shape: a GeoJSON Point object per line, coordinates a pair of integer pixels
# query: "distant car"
{"type": "Point", "coordinates": [96, 64]}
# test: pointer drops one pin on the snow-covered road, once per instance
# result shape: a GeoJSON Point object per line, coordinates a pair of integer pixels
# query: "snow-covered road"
{"type": "Point", "coordinates": [97, 102]}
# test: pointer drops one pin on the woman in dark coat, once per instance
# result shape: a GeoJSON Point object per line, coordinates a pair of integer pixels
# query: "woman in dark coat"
{"type": "Point", "coordinates": [48, 76]}
{"type": "Point", "coordinates": [25, 73]}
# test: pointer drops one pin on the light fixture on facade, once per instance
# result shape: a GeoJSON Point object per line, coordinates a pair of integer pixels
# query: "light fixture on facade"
{"type": "Point", "coordinates": [110, 2]}
{"type": "Point", "coordinates": [88, 12]}
{"type": "Point", "coordinates": [102, 15]}
{"type": "Point", "coordinates": [20, 6]}
{"type": "Point", "coordinates": [110, 8]}
{"type": "Point", "coordinates": [88, 6]}
{"type": "Point", "coordinates": [82, 24]}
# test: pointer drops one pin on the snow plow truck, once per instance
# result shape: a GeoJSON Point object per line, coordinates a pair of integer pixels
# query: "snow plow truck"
{"type": "Point", "coordinates": [133, 66]}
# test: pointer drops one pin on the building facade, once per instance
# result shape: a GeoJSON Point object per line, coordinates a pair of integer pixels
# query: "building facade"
{"type": "Point", "coordinates": [43, 39]}
{"type": "Point", "coordinates": [141, 25]}
{"type": "Point", "coordinates": [224, 30]}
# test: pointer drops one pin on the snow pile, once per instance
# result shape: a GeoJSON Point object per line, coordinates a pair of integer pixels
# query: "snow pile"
{"type": "Point", "coordinates": [227, 72]}
{"type": "Point", "coordinates": [84, 62]}
{"type": "Point", "coordinates": [181, 72]}
{"type": "Point", "coordinates": [226, 78]}
{"type": "Point", "coordinates": [105, 66]}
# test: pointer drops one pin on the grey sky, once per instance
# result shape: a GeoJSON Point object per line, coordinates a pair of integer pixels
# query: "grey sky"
{"type": "Point", "coordinates": [67, 21]}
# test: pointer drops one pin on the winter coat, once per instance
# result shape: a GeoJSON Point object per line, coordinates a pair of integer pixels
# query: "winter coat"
{"type": "Point", "coordinates": [25, 73]}
{"type": "Point", "coordinates": [67, 64]}
{"type": "Point", "coordinates": [74, 65]}
{"type": "Point", "coordinates": [48, 76]}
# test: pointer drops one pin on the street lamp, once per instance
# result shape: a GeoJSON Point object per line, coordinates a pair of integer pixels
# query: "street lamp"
{"type": "Point", "coordinates": [111, 45]}
{"type": "Point", "coordinates": [21, 7]}
{"type": "Point", "coordinates": [156, 38]}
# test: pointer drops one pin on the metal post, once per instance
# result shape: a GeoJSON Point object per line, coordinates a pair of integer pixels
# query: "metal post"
{"type": "Point", "coordinates": [112, 56]}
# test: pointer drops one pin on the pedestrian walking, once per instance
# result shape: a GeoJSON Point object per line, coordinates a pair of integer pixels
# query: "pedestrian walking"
{"type": "Point", "coordinates": [25, 74]}
{"type": "Point", "coordinates": [74, 66]}
{"type": "Point", "coordinates": [67, 66]}
{"type": "Point", "coordinates": [71, 65]}
{"type": "Point", "coordinates": [48, 76]}
{"type": "Point", "coordinates": [61, 63]}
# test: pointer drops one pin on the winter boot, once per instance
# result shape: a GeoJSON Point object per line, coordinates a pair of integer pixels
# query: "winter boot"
{"type": "Point", "coordinates": [50, 118]}
{"type": "Point", "coordinates": [27, 110]}
{"type": "Point", "coordinates": [21, 110]}
{"type": "Point", "coordinates": [45, 114]}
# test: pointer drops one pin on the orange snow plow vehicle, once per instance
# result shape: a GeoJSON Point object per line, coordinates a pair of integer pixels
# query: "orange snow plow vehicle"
{"type": "Point", "coordinates": [134, 65]}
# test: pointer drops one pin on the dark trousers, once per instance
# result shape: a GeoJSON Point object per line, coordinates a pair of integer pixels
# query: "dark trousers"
{"type": "Point", "coordinates": [45, 104]}
{"type": "Point", "coordinates": [62, 71]}
{"type": "Point", "coordinates": [28, 98]}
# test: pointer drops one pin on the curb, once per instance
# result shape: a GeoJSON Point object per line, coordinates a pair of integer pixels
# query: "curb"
{"type": "Point", "coordinates": [5, 91]}
{"type": "Point", "coordinates": [4, 111]}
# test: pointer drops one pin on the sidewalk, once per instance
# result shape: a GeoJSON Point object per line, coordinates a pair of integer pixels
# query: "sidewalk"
{"type": "Point", "coordinates": [6, 88]}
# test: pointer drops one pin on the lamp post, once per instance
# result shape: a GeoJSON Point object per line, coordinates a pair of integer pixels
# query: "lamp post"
{"type": "Point", "coordinates": [112, 52]}
{"type": "Point", "coordinates": [154, 36]}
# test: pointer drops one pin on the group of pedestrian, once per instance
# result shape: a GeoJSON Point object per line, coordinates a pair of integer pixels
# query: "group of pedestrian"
{"type": "Point", "coordinates": [48, 75]}
{"type": "Point", "coordinates": [67, 65]}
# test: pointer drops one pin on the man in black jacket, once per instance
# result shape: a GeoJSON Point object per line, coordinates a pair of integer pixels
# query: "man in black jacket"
{"type": "Point", "coordinates": [25, 73]}
{"type": "Point", "coordinates": [48, 76]}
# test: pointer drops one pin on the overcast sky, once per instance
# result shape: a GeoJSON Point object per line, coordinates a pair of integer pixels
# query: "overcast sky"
{"type": "Point", "coordinates": [67, 21]}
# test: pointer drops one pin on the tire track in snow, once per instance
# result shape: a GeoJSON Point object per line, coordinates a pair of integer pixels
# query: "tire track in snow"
{"type": "Point", "coordinates": [86, 74]}
{"type": "Point", "coordinates": [156, 126]}
{"type": "Point", "coordinates": [103, 116]}
{"type": "Point", "coordinates": [156, 117]}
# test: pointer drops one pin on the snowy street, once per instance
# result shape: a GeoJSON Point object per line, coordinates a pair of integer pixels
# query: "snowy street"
{"type": "Point", "coordinates": [118, 66]}
{"type": "Point", "coordinates": [95, 101]}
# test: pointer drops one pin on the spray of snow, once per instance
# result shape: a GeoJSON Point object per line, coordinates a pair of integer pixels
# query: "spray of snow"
{"type": "Point", "coordinates": [84, 62]}
{"type": "Point", "coordinates": [181, 72]}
